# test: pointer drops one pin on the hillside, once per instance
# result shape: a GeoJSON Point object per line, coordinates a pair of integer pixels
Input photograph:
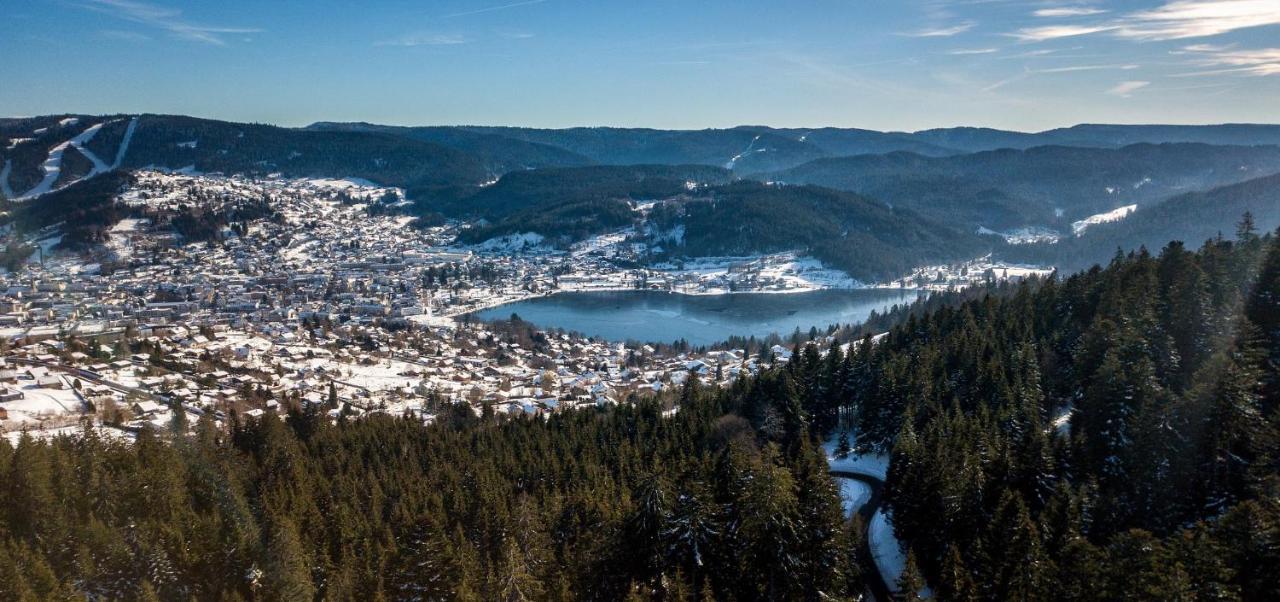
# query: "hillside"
{"type": "Point", "coordinates": [1106, 436]}
{"type": "Point", "coordinates": [43, 154]}
{"type": "Point", "coordinates": [740, 149]}
{"type": "Point", "coordinates": [176, 142]}
{"type": "Point", "coordinates": [569, 204]}
{"type": "Point", "coordinates": [501, 154]}
{"type": "Point", "coordinates": [1192, 218]}
{"type": "Point", "coordinates": [1078, 182]}
{"type": "Point", "coordinates": [861, 236]}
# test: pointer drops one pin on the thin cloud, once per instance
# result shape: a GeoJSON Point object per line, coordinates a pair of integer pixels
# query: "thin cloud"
{"type": "Point", "coordinates": [1028, 73]}
{"type": "Point", "coordinates": [1127, 88]}
{"type": "Point", "coordinates": [940, 32]}
{"type": "Point", "coordinates": [165, 19]}
{"type": "Point", "coordinates": [1076, 11]}
{"type": "Point", "coordinates": [490, 9]}
{"type": "Point", "coordinates": [1173, 20]}
{"type": "Point", "coordinates": [424, 39]}
{"type": "Point", "coordinates": [1075, 68]}
{"type": "Point", "coordinates": [1232, 61]}
{"type": "Point", "coordinates": [1182, 19]}
{"type": "Point", "coordinates": [969, 51]}
{"type": "Point", "coordinates": [1054, 32]}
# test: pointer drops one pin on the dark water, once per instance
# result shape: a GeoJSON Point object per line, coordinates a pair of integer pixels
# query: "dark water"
{"type": "Point", "coordinates": [701, 319]}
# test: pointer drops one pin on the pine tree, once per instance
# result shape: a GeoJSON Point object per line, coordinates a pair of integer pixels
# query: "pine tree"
{"type": "Point", "coordinates": [287, 576]}
{"type": "Point", "coordinates": [956, 582]}
{"type": "Point", "coordinates": [910, 583]}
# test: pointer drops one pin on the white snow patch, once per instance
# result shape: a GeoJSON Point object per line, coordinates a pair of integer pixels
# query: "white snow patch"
{"type": "Point", "coordinates": [1062, 421]}
{"type": "Point", "coordinates": [512, 242]}
{"type": "Point", "coordinates": [1114, 215]}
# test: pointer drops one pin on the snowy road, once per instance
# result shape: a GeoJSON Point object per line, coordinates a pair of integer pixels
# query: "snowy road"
{"type": "Point", "coordinates": [867, 472]}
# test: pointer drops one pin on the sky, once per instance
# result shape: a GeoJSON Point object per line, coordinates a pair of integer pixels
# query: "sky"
{"type": "Point", "coordinates": [688, 64]}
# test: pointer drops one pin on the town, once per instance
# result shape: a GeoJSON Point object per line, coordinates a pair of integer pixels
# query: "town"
{"type": "Point", "coordinates": [317, 294]}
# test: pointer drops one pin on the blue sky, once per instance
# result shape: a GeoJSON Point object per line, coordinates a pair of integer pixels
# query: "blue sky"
{"type": "Point", "coordinates": [881, 64]}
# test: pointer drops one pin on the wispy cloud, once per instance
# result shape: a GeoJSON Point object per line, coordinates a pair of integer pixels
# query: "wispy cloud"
{"type": "Point", "coordinates": [1224, 60]}
{"type": "Point", "coordinates": [489, 9]}
{"type": "Point", "coordinates": [1173, 20]}
{"type": "Point", "coordinates": [425, 39]}
{"type": "Point", "coordinates": [1053, 32]}
{"type": "Point", "coordinates": [1199, 18]}
{"type": "Point", "coordinates": [1069, 11]}
{"type": "Point", "coordinates": [1127, 88]}
{"type": "Point", "coordinates": [1028, 73]}
{"type": "Point", "coordinates": [1074, 68]}
{"type": "Point", "coordinates": [166, 19]}
{"type": "Point", "coordinates": [969, 51]}
{"type": "Point", "coordinates": [940, 32]}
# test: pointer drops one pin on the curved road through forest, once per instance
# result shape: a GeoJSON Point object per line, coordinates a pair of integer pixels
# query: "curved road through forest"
{"type": "Point", "coordinates": [878, 586]}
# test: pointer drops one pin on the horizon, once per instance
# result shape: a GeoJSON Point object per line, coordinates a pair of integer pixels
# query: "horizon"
{"type": "Point", "coordinates": [671, 129]}
{"type": "Point", "coordinates": [906, 67]}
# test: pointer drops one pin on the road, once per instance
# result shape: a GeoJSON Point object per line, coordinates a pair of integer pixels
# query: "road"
{"type": "Point", "coordinates": [876, 584]}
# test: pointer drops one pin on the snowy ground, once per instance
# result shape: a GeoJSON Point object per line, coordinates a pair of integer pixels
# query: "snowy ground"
{"type": "Point", "coordinates": [40, 406]}
{"type": "Point", "coordinates": [104, 431]}
{"type": "Point", "coordinates": [1024, 236]}
{"type": "Point", "coordinates": [854, 494]}
{"type": "Point", "coordinates": [1114, 215]}
{"type": "Point", "coordinates": [875, 466]}
{"type": "Point", "coordinates": [776, 273]}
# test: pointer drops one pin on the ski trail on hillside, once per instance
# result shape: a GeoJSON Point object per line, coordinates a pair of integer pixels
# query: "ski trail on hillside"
{"type": "Point", "coordinates": [52, 165]}
{"type": "Point", "coordinates": [98, 165]}
{"type": "Point", "coordinates": [734, 160]}
{"type": "Point", "coordinates": [52, 168]}
{"type": "Point", "coordinates": [124, 143]}
{"type": "Point", "coordinates": [4, 180]}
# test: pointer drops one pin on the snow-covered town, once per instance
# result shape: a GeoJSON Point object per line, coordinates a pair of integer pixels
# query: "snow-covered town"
{"type": "Point", "coordinates": [320, 296]}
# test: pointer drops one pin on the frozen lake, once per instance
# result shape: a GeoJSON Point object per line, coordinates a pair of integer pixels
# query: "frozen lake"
{"type": "Point", "coordinates": [699, 319]}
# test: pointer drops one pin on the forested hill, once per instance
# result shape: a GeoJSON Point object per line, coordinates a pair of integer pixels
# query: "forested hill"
{"type": "Point", "coordinates": [752, 148]}
{"type": "Point", "coordinates": [697, 212]}
{"type": "Point", "coordinates": [864, 237]}
{"type": "Point", "coordinates": [1112, 435]}
{"type": "Point", "coordinates": [1028, 186]}
{"type": "Point", "coordinates": [1193, 217]}
{"type": "Point", "coordinates": [568, 204]}
{"type": "Point", "coordinates": [176, 142]}
{"type": "Point", "coordinates": [500, 153]}
{"type": "Point", "coordinates": [40, 155]}
{"type": "Point", "coordinates": [624, 503]}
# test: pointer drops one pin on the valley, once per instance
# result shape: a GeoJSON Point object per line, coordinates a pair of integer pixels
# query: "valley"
{"type": "Point", "coordinates": [214, 277]}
